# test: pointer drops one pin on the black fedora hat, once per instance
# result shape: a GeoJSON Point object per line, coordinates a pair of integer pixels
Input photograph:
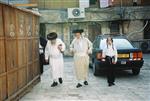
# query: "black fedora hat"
{"type": "Point", "coordinates": [78, 31]}
{"type": "Point", "coordinates": [52, 36]}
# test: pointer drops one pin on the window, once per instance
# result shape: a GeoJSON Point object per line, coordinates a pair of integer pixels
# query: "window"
{"type": "Point", "coordinates": [114, 27]}
{"type": "Point", "coordinates": [119, 43]}
{"type": "Point", "coordinates": [94, 3]}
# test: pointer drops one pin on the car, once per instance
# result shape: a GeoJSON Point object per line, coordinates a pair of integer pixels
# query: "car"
{"type": "Point", "coordinates": [129, 57]}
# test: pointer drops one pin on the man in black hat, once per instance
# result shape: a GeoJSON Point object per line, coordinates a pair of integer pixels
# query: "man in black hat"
{"type": "Point", "coordinates": [42, 46]}
{"type": "Point", "coordinates": [81, 47]}
{"type": "Point", "coordinates": [54, 52]}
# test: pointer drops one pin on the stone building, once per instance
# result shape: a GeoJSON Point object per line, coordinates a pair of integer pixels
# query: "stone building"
{"type": "Point", "coordinates": [129, 17]}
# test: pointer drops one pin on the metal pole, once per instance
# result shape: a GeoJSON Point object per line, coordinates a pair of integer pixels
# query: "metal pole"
{"type": "Point", "coordinates": [122, 31]}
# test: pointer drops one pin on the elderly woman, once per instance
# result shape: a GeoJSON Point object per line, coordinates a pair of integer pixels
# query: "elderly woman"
{"type": "Point", "coordinates": [110, 55]}
{"type": "Point", "coordinates": [54, 53]}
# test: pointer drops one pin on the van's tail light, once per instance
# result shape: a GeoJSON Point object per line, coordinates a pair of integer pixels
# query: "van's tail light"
{"type": "Point", "coordinates": [99, 56]}
{"type": "Point", "coordinates": [136, 56]}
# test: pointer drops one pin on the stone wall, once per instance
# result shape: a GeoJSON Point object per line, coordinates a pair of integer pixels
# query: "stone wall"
{"type": "Point", "coordinates": [95, 14]}
{"type": "Point", "coordinates": [130, 19]}
{"type": "Point", "coordinates": [134, 29]}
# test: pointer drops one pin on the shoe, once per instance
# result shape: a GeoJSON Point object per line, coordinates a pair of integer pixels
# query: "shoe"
{"type": "Point", "coordinates": [54, 84]}
{"type": "Point", "coordinates": [85, 83]}
{"type": "Point", "coordinates": [113, 83]}
{"type": "Point", "coordinates": [110, 84]}
{"type": "Point", "coordinates": [79, 85]}
{"type": "Point", "coordinates": [60, 80]}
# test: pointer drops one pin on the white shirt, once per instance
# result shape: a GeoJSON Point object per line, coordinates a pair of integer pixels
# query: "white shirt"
{"type": "Point", "coordinates": [52, 51]}
{"type": "Point", "coordinates": [110, 51]}
{"type": "Point", "coordinates": [40, 49]}
{"type": "Point", "coordinates": [81, 45]}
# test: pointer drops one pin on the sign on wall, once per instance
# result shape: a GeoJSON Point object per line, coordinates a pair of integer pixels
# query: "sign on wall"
{"type": "Point", "coordinates": [105, 3]}
{"type": "Point", "coordinates": [83, 3]}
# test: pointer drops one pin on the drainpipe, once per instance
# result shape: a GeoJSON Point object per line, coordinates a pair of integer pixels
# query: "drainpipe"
{"type": "Point", "coordinates": [121, 3]}
{"type": "Point", "coordinates": [121, 15]}
{"type": "Point", "coordinates": [44, 4]}
{"type": "Point", "coordinates": [140, 30]}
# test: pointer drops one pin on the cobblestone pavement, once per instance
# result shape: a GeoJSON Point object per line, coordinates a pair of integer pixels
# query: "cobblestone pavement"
{"type": "Point", "coordinates": [127, 88]}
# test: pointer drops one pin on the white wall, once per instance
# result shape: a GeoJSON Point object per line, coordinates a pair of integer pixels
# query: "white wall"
{"type": "Point", "coordinates": [134, 28]}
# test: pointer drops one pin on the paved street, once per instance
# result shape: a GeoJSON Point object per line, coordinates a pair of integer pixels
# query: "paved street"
{"type": "Point", "coordinates": [127, 88]}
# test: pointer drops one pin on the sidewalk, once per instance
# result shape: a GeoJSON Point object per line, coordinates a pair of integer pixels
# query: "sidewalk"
{"type": "Point", "coordinates": [127, 88]}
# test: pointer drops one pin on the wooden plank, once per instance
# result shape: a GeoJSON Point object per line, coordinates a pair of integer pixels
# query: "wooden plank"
{"type": "Point", "coordinates": [3, 89]}
{"type": "Point", "coordinates": [12, 83]}
{"type": "Point", "coordinates": [10, 35]}
{"type": "Point", "coordinates": [35, 49]}
{"type": "Point", "coordinates": [2, 47]}
{"type": "Point", "coordinates": [29, 24]}
{"type": "Point", "coordinates": [1, 22]}
{"type": "Point", "coordinates": [24, 90]}
{"type": "Point", "coordinates": [21, 52]}
{"type": "Point", "coordinates": [29, 72]}
{"type": "Point", "coordinates": [29, 50]}
{"type": "Point", "coordinates": [35, 26]}
{"type": "Point", "coordinates": [16, 50]}
{"type": "Point", "coordinates": [22, 77]}
{"type": "Point", "coordinates": [10, 22]}
{"type": "Point", "coordinates": [2, 57]}
{"type": "Point", "coordinates": [26, 5]}
{"type": "Point", "coordinates": [11, 54]}
{"type": "Point", "coordinates": [20, 23]}
{"type": "Point", "coordinates": [36, 68]}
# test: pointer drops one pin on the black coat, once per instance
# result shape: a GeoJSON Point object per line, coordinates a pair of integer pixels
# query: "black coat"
{"type": "Point", "coordinates": [43, 42]}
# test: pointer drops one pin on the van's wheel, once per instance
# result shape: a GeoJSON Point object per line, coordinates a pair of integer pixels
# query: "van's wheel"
{"type": "Point", "coordinates": [95, 71]}
{"type": "Point", "coordinates": [136, 71]}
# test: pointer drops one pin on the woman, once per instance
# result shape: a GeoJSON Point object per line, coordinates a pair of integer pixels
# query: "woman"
{"type": "Point", "coordinates": [110, 55]}
{"type": "Point", "coordinates": [54, 52]}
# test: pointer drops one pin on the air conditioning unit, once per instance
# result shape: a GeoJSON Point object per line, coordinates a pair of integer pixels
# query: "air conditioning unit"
{"type": "Point", "coordinates": [76, 13]}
